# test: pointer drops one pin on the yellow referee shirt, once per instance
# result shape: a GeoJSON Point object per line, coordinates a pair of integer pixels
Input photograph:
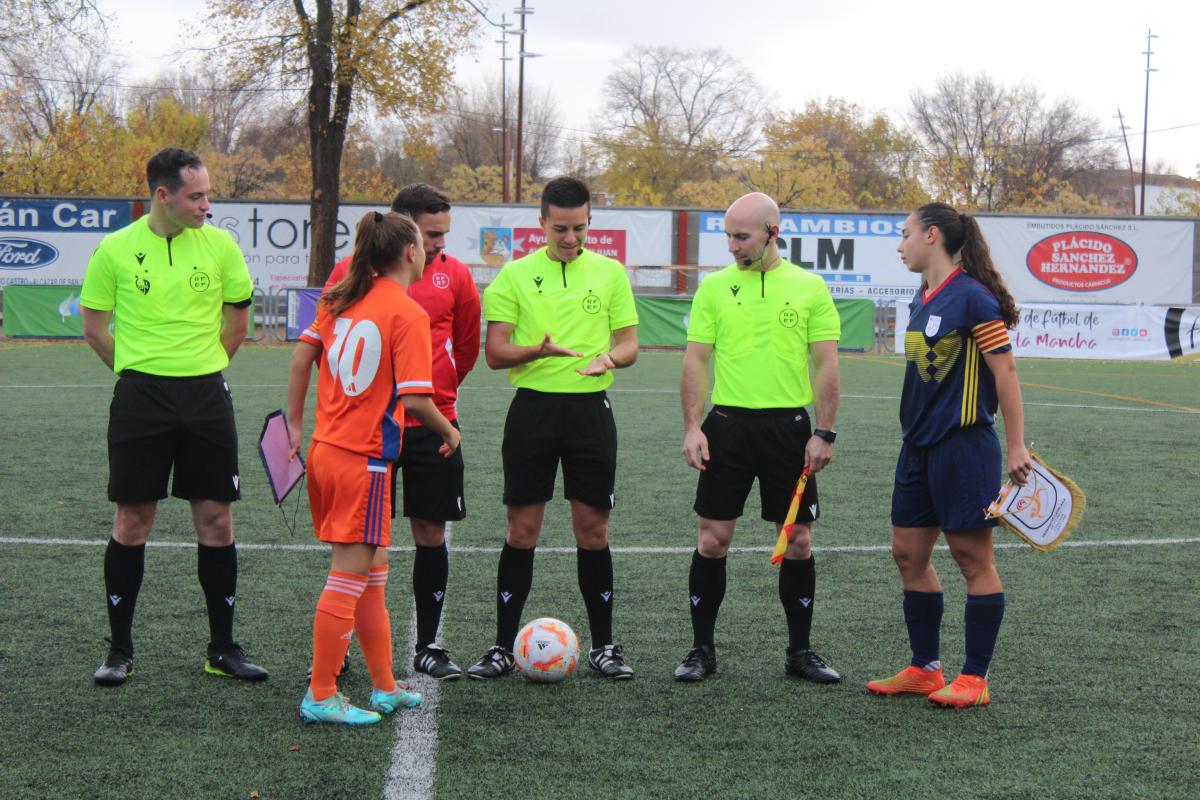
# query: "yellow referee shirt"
{"type": "Point", "coordinates": [166, 296]}
{"type": "Point", "coordinates": [579, 304]}
{"type": "Point", "coordinates": [760, 325]}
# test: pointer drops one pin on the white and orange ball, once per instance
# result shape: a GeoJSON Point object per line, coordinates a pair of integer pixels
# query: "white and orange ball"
{"type": "Point", "coordinates": [546, 650]}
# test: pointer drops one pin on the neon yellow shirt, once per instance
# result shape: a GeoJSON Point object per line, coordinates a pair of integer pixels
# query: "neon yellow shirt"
{"type": "Point", "coordinates": [579, 304]}
{"type": "Point", "coordinates": [760, 325]}
{"type": "Point", "coordinates": [166, 296]}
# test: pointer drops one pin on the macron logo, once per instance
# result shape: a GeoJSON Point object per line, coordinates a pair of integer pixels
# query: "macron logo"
{"type": "Point", "coordinates": [606, 595]}
{"type": "Point", "coordinates": [813, 510]}
{"type": "Point", "coordinates": [695, 600]}
{"type": "Point", "coordinates": [438, 596]}
{"type": "Point", "coordinates": [506, 596]}
{"type": "Point", "coordinates": [115, 599]}
{"type": "Point", "coordinates": [229, 601]}
{"type": "Point", "coordinates": [806, 601]}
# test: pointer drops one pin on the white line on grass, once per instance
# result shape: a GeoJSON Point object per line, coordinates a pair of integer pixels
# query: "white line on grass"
{"type": "Point", "coordinates": [635, 550]}
{"type": "Point", "coordinates": [889, 398]}
{"type": "Point", "coordinates": [412, 770]}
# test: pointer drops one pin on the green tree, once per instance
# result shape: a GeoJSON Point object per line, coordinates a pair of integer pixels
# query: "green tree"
{"type": "Point", "coordinates": [391, 56]}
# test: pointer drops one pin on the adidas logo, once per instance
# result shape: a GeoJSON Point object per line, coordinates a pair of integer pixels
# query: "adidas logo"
{"type": "Point", "coordinates": [229, 600]}
{"type": "Point", "coordinates": [115, 599]}
{"type": "Point", "coordinates": [506, 596]}
{"type": "Point", "coordinates": [438, 596]}
{"type": "Point", "coordinates": [542, 644]}
{"type": "Point", "coordinates": [695, 600]}
{"type": "Point", "coordinates": [347, 635]}
{"type": "Point", "coordinates": [806, 601]}
{"type": "Point", "coordinates": [606, 595]}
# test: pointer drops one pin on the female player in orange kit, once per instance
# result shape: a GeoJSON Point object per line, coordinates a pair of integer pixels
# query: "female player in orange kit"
{"type": "Point", "coordinates": [372, 344]}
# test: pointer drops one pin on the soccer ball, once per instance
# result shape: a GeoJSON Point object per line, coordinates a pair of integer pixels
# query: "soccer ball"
{"type": "Point", "coordinates": [546, 650]}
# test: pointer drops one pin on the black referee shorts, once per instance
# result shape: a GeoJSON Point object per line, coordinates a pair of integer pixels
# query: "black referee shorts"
{"type": "Point", "coordinates": [156, 424]}
{"type": "Point", "coordinates": [433, 485]}
{"type": "Point", "coordinates": [543, 428]}
{"type": "Point", "coordinates": [749, 443]}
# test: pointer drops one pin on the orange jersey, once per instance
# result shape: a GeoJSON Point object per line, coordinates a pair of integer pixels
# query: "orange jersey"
{"type": "Point", "coordinates": [375, 351]}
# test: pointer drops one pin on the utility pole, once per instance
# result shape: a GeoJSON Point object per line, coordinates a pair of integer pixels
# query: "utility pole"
{"type": "Point", "coordinates": [1129, 157]}
{"type": "Point", "coordinates": [504, 59]}
{"type": "Point", "coordinates": [522, 12]}
{"type": "Point", "coordinates": [1146, 117]}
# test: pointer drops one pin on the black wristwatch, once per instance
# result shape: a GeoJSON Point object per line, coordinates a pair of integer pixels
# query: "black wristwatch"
{"type": "Point", "coordinates": [828, 436]}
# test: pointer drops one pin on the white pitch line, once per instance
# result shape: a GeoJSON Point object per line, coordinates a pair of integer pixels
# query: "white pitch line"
{"type": "Point", "coordinates": [633, 550]}
{"type": "Point", "coordinates": [610, 390]}
{"type": "Point", "coordinates": [413, 768]}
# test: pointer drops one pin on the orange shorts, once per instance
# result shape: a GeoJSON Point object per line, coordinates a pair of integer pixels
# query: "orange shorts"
{"type": "Point", "coordinates": [350, 495]}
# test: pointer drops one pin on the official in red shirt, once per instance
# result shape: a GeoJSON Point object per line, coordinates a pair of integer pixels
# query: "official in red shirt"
{"type": "Point", "coordinates": [433, 485]}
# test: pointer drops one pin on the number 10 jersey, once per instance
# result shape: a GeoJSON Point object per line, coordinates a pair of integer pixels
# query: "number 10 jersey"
{"type": "Point", "coordinates": [372, 353]}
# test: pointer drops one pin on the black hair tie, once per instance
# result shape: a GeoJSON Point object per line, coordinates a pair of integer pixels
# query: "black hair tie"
{"type": "Point", "coordinates": [378, 218]}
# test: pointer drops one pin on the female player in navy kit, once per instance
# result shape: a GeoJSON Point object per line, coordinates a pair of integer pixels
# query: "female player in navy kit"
{"type": "Point", "coordinates": [960, 367]}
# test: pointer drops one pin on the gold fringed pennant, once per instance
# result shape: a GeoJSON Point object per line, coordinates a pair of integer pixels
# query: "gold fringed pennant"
{"type": "Point", "coordinates": [785, 534]}
{"type": "Point", "coordinates": [1044, 511]}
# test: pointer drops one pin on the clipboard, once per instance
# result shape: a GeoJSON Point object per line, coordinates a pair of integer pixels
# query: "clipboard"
{"type": "Point", "coordinates": [274, 445]}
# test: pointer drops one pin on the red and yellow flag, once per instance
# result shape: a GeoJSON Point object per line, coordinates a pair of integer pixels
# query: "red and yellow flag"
{"type": "Point", "coordinates": [785, 535]}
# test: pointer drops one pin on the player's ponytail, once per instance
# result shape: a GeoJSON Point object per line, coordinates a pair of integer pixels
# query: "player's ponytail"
{"type": "Point", "coordinates": [379, 244]}
{"type": "Point", "coordinates": [964, 242]}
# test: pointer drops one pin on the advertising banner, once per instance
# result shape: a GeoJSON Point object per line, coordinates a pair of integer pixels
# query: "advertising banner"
{"type": "Point", "coordinates": [854, 253]}
{"type": "Point", "coordinates": [1096, 331]}
{"type": "Point", "coordinates": [1048, 259]}
{"type": "Point", "coordinates": [49, 241]}
{"type": "Point", "coordinates": [492, 235]}
{"type": "Point", "coordinates": [275, 237]}
{"type": "Point", "coordinates": [42, 310]}
{"type": "Point", "coordinates": [1093, 260]}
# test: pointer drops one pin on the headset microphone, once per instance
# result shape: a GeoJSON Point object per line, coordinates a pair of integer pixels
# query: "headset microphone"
{"type": "Point", "coordinates": [749, 262]}
{"type": "Point", "coordinates": [579, 252]}
{"type": "Point", "coordinates": [208, 216]}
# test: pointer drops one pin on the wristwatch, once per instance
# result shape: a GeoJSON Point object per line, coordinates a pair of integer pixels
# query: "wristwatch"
{"type": "Point", "coordinates": [828, 436]}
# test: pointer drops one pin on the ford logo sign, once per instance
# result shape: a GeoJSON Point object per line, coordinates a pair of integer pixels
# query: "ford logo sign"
{"type": "Point", "coordinates": [18, 253]}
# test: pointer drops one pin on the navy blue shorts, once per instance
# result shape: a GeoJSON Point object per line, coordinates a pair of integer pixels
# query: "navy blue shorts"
{"type": "Point", "coordinates": [950, 484]}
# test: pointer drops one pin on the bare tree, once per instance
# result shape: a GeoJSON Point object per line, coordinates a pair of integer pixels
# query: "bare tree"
{"type": "Point", "coordinates": [229, 100]}
{"type": "Point", "coordinates": [55, 63]}
{"type": "Point", "coordinates": [675, 115]}
{"type": "Point", "coordinates": [471, 129]}
{"type": "Point", "coordinates": [994, 147]}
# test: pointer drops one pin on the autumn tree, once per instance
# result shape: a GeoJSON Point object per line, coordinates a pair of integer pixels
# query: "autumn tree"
{"type": "Point", "coordinates": [391, 56]}
{"type": "Point", "coordinates": [675, 116]}
{"type": "Point", "coordinates": [872, 163]}
{"type": "Point", "coordinates": [993, 148]}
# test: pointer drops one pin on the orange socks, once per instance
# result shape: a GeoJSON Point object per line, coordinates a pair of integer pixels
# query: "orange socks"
{"type": "Point", "coordinates": [374, 628]}
{"type": "Point", "coordinates": [333, 626]}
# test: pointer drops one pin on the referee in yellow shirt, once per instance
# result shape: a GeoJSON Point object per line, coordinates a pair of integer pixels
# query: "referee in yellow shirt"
{"type": "Point", "coordinates": [758, 321]}
{"type": "Point", "coordinates": [559, 320]}
{"type": "Point", "coordinates": [178, 293]}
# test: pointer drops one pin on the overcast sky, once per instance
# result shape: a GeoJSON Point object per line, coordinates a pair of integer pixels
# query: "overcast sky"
{"type": "Point", "coordinates": [869, 52]}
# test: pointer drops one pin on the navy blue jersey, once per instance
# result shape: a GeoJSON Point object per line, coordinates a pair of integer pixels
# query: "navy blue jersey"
{"type": "Point", "coordinates": [947, 384]}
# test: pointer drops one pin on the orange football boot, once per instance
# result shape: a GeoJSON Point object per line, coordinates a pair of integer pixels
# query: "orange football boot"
{"type": "Point", "coordinates": [966, 691]}
{"type": "Point", "coordinates": [910, 680]}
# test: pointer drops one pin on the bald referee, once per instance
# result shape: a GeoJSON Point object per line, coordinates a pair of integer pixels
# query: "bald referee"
{"type": "Point", "coordinates": [758, 322]}
{"type": "Point", "coordinates": [560, 320]}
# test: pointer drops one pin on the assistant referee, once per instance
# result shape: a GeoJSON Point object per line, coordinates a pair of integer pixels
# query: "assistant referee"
{"type": "Point", "coordinates": [179, 293]}
{"type": "Point", "coordinates": [559, 320]}
{"type": "Point", "coordinates": [759, 321]}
